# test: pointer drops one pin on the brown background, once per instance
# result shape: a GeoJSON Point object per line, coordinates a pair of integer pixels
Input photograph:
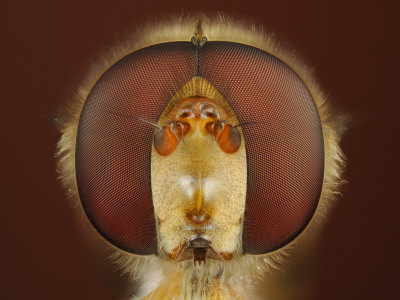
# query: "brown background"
{"type": "Point", "coordinates": [46, 49]}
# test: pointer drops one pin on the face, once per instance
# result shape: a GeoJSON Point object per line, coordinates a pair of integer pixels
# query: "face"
{"type": "Point", "coordinates": [198, 176]}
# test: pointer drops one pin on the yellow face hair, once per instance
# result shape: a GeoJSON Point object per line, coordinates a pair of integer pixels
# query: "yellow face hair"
{"type": "Point", "coordinates": [187, 148]}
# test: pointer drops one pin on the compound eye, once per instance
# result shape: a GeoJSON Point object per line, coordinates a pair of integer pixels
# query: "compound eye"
{"type": "Point", "coordinates": [285, 158]}
{"type": "Point", "coordinates": [165, 141]}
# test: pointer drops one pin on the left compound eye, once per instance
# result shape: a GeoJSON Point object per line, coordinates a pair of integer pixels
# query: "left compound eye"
{"type": "Point", "coordinates": [113, 153]}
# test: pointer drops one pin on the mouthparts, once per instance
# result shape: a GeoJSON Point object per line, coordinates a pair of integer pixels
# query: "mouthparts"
{"type": "Point", "coordinates": [199, 249]}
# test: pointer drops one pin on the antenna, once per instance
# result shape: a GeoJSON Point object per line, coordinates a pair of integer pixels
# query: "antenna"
{"type": "Point", "coordinates": [249, 123]}
{"type": "Point", "coordinates": [134, 118]}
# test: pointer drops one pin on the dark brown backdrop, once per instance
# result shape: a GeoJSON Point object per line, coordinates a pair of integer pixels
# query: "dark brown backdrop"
{"type": "Point", "coordinates": [46, 49]}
